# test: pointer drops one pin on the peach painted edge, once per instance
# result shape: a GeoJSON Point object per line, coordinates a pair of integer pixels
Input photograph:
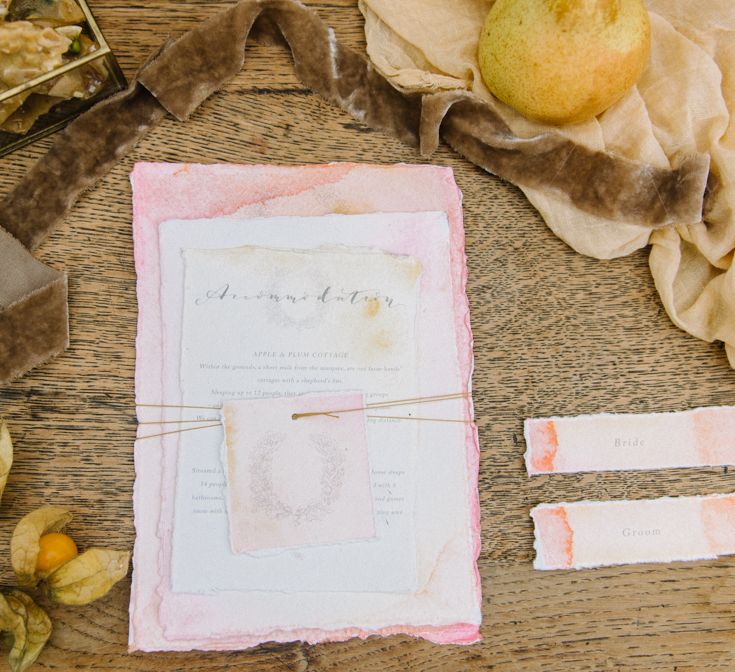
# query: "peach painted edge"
{"type": "Point", "coordinates": [718, 521]}
{"type": "Point", "coordinates": [714, 431]}
{"type": "Point", "coordinates": [553, 538]}
{"type": "Point", "coordinates": [542, 445]}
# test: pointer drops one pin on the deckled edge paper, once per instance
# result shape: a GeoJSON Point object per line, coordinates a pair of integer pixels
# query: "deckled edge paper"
{"type": "Point", "coordinates": [215, 190]}
{"type": "Point", "coordinates": [257, 432]}
{"type": "Point", "coordinates": [595, 534]}
{"type": "Point", "coordinates": [700, 437]}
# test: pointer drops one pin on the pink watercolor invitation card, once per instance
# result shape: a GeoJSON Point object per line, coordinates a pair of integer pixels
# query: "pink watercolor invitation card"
{"type": "Point", "coordinates": [370, 302]}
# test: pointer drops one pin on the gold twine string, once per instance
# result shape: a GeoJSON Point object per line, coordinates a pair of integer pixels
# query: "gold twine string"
{"type": "Point", "coordinates": [177, 431]}
{"type": "Point", "coordinates": [217, 421]}
{"type": "Point", "coordinates": [410, 417]}
{"type": "Point", "coordinates": [383, 404]}
{"type": "Point", "coordinates": [175, 406]}
{"type": "Point", "coordinates": [176, 422]}
{"type": "Point", "coordinates": [312, 414]}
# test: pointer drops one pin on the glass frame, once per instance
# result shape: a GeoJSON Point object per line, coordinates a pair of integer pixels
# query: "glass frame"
{"type": "Point", "coordinates": [55, 119]}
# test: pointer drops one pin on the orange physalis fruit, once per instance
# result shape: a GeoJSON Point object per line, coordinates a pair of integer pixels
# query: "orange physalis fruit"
{"type": "Point", "coordinates": [55, 549]}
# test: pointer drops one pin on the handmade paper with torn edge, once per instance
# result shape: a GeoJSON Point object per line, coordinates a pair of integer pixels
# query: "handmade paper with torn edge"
{"type": "Point", "coordinates": [234, 337]}
{"type": "Point", "coordinates": [162, 192]}
{"type": "Point", "coordinates": [594, 534]}
{"type": "Point", "coordinates": [697, 438]}
{"type": "Point", "coordinates": [296, 482]}
{"type": "Point", "coordinates": [266, 322]}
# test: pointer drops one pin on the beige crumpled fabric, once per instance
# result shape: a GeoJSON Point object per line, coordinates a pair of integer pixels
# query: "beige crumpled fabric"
{"type": "Point", "coordinates": [682, 104]}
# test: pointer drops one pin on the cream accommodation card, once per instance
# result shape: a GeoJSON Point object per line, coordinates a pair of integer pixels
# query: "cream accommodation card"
{"type": "Point", "coordinates": [696, 438]}
{"type": "Point", "coordinates": [444, 606]}
{"type": "Point", "coordinates": [261, 322]}
{"type": "Point", "coordinates": [593, 534]}
{"type": "Point", "coordinates": [294, 481]}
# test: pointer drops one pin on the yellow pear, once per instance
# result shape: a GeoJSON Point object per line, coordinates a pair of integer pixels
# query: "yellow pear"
{"type": "Point", "coordinates": [563, 61]}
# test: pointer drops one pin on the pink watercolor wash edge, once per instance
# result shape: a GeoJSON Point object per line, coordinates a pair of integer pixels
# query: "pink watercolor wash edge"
{"type": "Point", "coordinates": [468, 359]}
{"type": "Point", "coordinates": [148, 361]}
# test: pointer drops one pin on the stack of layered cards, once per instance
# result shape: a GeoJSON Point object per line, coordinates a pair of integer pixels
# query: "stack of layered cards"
{"type": "Point", "coordinates": [272, 295]}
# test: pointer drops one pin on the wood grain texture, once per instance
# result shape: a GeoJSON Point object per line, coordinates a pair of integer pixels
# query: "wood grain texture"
{"type": "Point", "coordinates": [555, 333]}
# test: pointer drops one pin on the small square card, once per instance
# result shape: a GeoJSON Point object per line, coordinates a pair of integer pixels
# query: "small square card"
{"type": "Point", "coordinates": [297, 482]}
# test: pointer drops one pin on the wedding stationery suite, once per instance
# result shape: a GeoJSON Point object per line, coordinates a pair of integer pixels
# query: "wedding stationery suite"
{"type": "Point", "coordinates": [697, 438]}
{"type": "Point", "coordinates": [594, 534]}
{"type": "Point", "coordinates": [257, 298]}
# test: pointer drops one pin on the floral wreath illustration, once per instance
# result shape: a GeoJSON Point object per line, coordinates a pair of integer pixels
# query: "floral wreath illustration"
{"type": "Point", "coordinates": [279, 313]}
{"type": "Point", "coordinates": [263, 493]}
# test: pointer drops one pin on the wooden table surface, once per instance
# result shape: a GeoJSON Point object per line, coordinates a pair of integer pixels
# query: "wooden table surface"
{"type": "Point", "coordinates": [555, 333]}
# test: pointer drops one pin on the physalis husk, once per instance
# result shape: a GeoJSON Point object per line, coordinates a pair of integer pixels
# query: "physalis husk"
{"type": "Point", "coordinates": [88, 576]}
{"type": "Point", "coordinates": [29, 626]}
{"type": "Point", "coordinates": [80, 580]}
{"type": "Point", "coordinates": [25, 542]}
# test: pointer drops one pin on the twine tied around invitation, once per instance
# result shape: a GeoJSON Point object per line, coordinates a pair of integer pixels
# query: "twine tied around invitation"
{"type": "Point", "coordinates": [328, 413]}
{"type": "Point", "coordinates": [176, 80]}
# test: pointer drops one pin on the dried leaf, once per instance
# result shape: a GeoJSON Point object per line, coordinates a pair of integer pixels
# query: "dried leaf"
{"type": "Point", "coordinates": [24, 544]}
{"type": "Point", "coordinates": [6, 455]}
{"type": "Point", "coordinates": [88, 576]}
{"type": "Point", "coordinates": [37, 630]}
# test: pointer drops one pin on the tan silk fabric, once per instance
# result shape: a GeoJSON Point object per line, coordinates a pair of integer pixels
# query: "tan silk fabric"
{"type": "Point", "coordinates": [682, 104]}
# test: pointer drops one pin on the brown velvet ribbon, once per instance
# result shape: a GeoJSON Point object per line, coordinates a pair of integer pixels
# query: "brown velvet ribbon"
{"type": "Point", "coordinates": [33, 297]}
